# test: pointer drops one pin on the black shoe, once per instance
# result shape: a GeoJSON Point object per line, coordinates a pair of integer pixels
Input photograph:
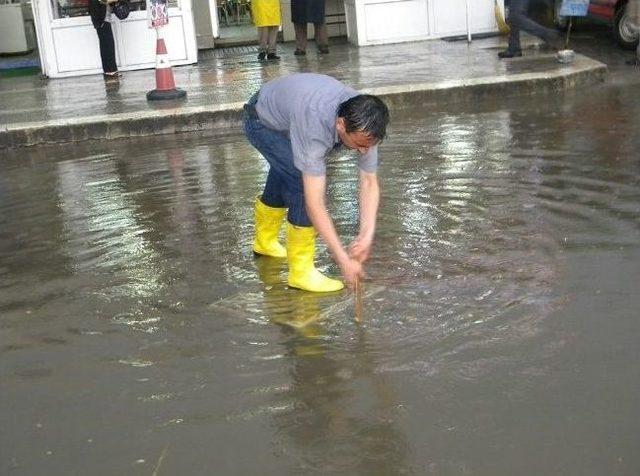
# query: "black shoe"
{"type": "Point", "coordinates": [508, 53]}
{"type": "Point", "coordinates": [633, 62]}
{"type": "Point", "coordinates": [262, 55]}
{"type": "Point", "coordinates": [273, 57]}
{"type": "Point", "coordinates": [299, 52]}
{"type": "Point", "coordinates": [323, 50]}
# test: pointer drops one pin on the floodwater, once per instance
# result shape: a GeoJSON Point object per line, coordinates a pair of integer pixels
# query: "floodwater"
{"type": "Point", "coordinates": [500, 334]}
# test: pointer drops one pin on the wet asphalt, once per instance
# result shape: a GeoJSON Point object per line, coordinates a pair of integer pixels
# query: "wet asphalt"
{"type": "Point", "coordinates": [138, 334]}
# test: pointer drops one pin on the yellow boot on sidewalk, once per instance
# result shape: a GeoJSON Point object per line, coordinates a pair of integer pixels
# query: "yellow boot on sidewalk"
{"type": "Point", "coordinates": [301, 250]}
{"type": "Point", "coordinates": [268, 221]}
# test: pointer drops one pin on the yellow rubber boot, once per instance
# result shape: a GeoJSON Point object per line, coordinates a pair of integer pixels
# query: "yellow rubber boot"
{"type": "Point", "coordinates": [268, 221]}
{"type": "Point", "coordinates": [301, 250]}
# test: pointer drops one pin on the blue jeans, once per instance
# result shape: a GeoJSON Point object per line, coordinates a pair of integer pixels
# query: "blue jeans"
{"type": "Point", "coordinates": [284, 182]}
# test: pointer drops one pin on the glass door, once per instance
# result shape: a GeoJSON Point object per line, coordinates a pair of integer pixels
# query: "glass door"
{"type": "Point", "coordinates": [234, 25]}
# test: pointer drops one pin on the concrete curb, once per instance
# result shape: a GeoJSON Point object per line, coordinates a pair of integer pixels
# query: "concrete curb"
{"type": "Point", "coordinates": [584, 71]}
{"type": "Point", "coordinates": [225, 117]}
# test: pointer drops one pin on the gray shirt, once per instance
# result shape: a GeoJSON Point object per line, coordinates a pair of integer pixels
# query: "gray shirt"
{"type": "Point", "coordinates": [305, 106]}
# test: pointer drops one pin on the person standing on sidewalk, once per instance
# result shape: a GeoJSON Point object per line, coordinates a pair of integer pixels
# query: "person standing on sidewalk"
{"type": "Point", "coordinates": [266, 18]}
{"type": "Point", "coordinates": [295, 122]}
{"type": "Point", "coordinates": [100, 13]}
{"type": "Point", "coordinates": [519, 20]}
{"type": "Point", "coordinates": [309, 11]}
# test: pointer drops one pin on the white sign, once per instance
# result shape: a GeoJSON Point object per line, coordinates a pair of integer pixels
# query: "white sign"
{"type": "Point", "coordinates": [157, 13]}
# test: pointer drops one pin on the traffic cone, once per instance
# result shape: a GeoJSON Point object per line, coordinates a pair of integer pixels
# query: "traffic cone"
{"type": "Point", "coordinates": [165, 84]}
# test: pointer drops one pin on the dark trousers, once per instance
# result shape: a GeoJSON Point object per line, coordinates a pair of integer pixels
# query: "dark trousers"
{"type": "Point", "coordinates": [284, 187]}
{"type": "Point", "coordinates": [519, 20]}
{"type": "Point", "coordinates": [107, 48]}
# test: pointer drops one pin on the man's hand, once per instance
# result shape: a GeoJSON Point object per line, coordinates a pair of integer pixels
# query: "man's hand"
{"type": "Point", "coordinates": [350, 261]}
{"type": "Point", "coordinates": [360, 249]}
{"type": "Point", "coordinates": [352, 271]}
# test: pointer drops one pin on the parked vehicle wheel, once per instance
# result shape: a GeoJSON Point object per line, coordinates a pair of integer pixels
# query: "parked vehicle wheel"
{"type": "Point", "coordinates": [623, 30]}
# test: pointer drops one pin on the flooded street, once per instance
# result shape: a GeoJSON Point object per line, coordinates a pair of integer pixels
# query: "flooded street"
{"type": "Point", "coordinates": [500, 318]}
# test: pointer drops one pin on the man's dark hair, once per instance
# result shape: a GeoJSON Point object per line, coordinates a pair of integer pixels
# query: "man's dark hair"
{"type": "Point", "coordinates": [365, 113]}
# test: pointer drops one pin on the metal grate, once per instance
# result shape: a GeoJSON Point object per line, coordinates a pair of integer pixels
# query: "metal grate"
{"type": "Point", "coordinates": [233, 51]}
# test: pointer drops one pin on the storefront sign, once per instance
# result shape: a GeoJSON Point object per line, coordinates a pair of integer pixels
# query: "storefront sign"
{"type": "Point", "coordinates": [157, 13]}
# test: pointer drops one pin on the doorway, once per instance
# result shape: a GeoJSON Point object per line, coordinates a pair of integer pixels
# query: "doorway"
{"type": "Point", "coordinates": [235, 27]}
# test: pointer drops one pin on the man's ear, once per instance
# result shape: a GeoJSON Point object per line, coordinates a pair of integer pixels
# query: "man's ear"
{"type": "Point", "coordinates": [340, 125]}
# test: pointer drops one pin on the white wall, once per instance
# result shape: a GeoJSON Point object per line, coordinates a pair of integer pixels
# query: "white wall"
{"type": "Point", "coordinates": [371, 22]}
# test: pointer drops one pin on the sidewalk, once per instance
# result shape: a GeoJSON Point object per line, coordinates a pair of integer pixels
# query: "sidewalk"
{"type": "Point", "coordinates": [35, 111]}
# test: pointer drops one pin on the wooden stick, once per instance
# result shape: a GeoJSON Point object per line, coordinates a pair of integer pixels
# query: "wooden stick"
{"type": "Point", "coordinates": [566, 40]}
{"type": "Point", "coordinates": [358, 304]}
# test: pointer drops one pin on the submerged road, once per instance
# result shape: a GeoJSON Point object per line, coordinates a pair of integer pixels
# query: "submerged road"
{"type": "Point", "coordinates": [500, 321]}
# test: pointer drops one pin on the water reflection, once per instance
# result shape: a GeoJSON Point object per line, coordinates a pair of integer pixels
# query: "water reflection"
{"type": "Point", "coordinates": [129, 265]}
{"type": "Point", "coordinates": [340, 404]}
{"type": "Point", "coordinates": [102, 231]}
{"type": "Point", "coordinates": [292, 309]}
{"type": "Point", "coordinates": [346, 416]}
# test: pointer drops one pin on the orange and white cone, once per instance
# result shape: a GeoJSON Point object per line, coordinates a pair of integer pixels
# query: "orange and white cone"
{"type": "Point", "coordinates": [165, 84]}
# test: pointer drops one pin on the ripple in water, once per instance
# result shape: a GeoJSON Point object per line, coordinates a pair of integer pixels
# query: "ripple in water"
{"type": "Point", "coordinates": [153, 238]}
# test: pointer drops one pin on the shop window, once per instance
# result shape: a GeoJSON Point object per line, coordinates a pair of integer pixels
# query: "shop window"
{"type": "Point", "coordinates": [70, 8]}
{"type": "Point", "coordinates": [142, 4]}
{"type": "Point", "coordinates": [79, 8]}
{"type": "Point", "coordinates": [234, 12]}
